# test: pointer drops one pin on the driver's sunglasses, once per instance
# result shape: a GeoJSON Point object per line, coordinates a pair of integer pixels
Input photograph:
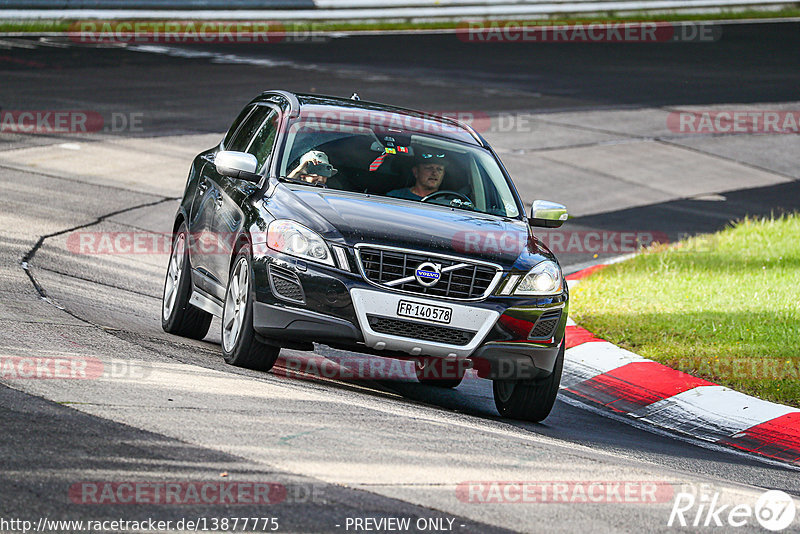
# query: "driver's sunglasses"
{"type": "Point", "coordinates": [429, 156]}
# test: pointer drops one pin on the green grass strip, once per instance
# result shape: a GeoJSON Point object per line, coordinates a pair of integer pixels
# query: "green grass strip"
{"type": "Point", "coordinates": [723, 306]}
{"type": "Point", "coordinates": [55, 25]}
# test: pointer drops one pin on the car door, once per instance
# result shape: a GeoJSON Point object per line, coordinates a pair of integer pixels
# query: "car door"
{"type": "Point", "coordinates": [204, 239]}
{"type": "Point", "coordinates": [204, 242]}
{"type": "Point", "coordinates": [256, 136]}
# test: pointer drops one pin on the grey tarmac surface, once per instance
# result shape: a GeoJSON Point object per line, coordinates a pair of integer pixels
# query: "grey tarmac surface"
{"type": "Point", "coordinates": [69, 453]}
{"type": "Point", "coordinates": [171, 410]}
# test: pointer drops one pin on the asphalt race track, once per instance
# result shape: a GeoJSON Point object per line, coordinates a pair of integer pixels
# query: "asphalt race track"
{"type": "Point", "coordinates": [582, 124]}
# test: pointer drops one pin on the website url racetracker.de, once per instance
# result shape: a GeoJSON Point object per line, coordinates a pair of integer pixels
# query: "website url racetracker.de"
{"type": "Point", "coordinates": [197, 524]}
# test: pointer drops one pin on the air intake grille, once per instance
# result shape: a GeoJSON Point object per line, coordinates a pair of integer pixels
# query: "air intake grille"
{"type": "Point", "coordinates": [285, 284]}
{"type": "Point", "coordinates": [471, 281]}
{"type": "Point", "coordinates": [545, 325]}
{"type": "Point", "coordinates": [425, 332]}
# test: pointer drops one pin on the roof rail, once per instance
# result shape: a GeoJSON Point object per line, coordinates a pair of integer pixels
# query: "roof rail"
{"type": "Point", "coordinates": [294, 103]}
{"type": "Point", "coordinates": [481, 141]}
{"type": "Point", "coordinates": [295, 111]}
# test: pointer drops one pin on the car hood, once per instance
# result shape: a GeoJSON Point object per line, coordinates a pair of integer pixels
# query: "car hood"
{"type": "Point", "coordinates": [354, 219]}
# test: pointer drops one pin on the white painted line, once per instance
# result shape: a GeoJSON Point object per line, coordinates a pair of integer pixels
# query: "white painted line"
{"type": "Point", "coordinates": [649, 427]}
{"type": "Point", "coordinates": [711, 412]}
{"type": "Point", "coordinates": [595, 358]}
{"type": "Point", "coordinates": [618, 259]}
{"type": "Point", "coordinates": [572, 284]}
{"type": "Point", "coordinates": [585, 265]}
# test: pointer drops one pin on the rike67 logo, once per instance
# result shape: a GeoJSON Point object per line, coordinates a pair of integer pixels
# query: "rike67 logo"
{"type": "Point", "coordinates": [774, 511]}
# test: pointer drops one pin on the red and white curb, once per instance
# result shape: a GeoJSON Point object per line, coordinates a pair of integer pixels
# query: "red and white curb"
{"type": "Point", "coordinates": [600, 373]}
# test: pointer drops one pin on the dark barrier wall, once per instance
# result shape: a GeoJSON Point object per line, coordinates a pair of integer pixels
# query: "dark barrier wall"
{"type": "Point", "coordinates": [157, 4]}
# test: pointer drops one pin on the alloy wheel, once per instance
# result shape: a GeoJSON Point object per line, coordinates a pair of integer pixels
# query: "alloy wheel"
{"type": "Point", "coordinates": [235, 305]}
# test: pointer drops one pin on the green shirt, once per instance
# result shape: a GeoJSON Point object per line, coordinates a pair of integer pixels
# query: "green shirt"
{"type": "Point", "coordinates": [403, 193]}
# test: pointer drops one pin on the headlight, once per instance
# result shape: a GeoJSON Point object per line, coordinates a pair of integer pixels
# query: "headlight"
{"type": "Point", "coordinates": [295, 239]}
{"type": "Point", "coordinates": [544, 279]}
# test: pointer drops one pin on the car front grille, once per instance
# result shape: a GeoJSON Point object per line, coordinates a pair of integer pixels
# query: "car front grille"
{"type": "Point", "coordinates": [545, 325]}
{"type": "Point", "coordinates": [470, 281]}
{"type": "Point", "coordinates": [415, 330]}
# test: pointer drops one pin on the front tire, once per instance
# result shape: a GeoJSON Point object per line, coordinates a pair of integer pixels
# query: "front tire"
{"type": "Point", "coordinates": [239, 344]}
{"type": "Point", "coordinates": [177, 315]}
{"type": "Point", "coordinates": [529, 400]}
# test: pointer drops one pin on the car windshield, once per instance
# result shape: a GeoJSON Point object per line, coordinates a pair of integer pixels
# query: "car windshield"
{"type": "Point", "coordinates": [396, 156]}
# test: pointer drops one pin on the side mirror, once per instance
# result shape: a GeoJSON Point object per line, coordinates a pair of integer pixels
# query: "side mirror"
{"type": "Point", "coordinates": [547, 214]}
{"type": "Point", "coordinates": [237, 165]}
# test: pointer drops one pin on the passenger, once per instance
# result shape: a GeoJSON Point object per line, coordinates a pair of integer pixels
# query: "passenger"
{"type": "Point", "coordinates": [314, 167]}
{"type": "Point", "coordinates": [428, 171]}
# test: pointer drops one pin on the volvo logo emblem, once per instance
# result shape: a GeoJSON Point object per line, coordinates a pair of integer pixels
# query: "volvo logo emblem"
{"type": "Point", "coordinates": [427, 274]}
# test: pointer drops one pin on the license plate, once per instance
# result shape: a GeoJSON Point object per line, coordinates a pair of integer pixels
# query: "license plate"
{"type": "Point", "coordinates": [437, 314]}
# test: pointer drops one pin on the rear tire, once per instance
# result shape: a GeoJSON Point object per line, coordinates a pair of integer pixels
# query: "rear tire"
{"type": "Point", "coordinates": [435, 372]}
{"type": "Point", "coordinates": [529, 400]}
{"type": "Point", "coordinates": [177, 315]}
{"type": "Point", "coordinates": [239, 344]}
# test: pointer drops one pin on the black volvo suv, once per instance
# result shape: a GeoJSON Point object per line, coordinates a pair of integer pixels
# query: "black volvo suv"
{"type": "Point", "coordinates": [374, 229]}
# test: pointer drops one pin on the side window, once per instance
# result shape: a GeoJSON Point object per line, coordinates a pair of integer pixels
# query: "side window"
{"type": "Point", "coordinates": [242, 116]}
{"type": "Point", "coordinates": [261, 145]}
{"type": "Point", "coordinates": [249, 127]}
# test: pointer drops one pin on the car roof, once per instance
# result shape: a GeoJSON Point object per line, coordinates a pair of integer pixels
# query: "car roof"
{"type": "Point", "coordinates": [335, 102]}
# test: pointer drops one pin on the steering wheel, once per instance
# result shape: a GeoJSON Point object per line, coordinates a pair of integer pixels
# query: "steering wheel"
{"type": "Point", "coordinates": [454, 194]}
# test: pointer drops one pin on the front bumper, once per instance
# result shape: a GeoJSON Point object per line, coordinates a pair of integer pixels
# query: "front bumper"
{"type": "Point", "coordinates": [340, 309]}
{"type": "Point", "coordinates": [370, 303]}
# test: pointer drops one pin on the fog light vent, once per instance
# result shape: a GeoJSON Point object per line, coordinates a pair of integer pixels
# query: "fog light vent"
{"type": "Point", "coordinates": [544, 327]}
{"type": "Point", "coordinates": [285, 284]}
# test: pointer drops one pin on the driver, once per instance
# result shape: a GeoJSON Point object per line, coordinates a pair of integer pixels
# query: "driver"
{"type": "Point", "coordinates": [428, 171]}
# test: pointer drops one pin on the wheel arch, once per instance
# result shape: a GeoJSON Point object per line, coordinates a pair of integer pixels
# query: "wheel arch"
{"type": "Point", "coordinates": [242, 240]}
{"type": "Point", "coordinates": [180, 218]}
